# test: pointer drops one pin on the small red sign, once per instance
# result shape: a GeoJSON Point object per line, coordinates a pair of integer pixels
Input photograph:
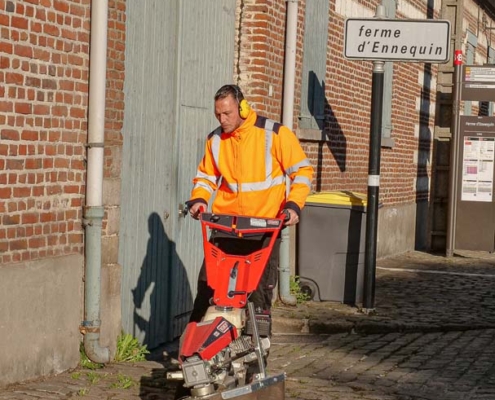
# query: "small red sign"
{"type": "Point", "coordinates": [458, 57]}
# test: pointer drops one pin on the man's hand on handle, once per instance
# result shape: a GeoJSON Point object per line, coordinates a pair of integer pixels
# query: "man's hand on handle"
{"type": "Point", "coordinates": [293, 218]}
{"type": "Point", "coordinates": [196, 209]}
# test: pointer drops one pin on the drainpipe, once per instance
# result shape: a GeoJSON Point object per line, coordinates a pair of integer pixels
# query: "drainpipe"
{"type": "Point", "coordinates": [94, 211]}
{"type": "Point", "coordinates": [287, 120]}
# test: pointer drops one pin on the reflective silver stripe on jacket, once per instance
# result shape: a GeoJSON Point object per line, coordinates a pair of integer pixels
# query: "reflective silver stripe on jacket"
{"type": "Point", "coordinates": [295, 167]}
{"type": "Point", "coordinates": [256, 186]}
{"type": "Point", "coordinates": [303, 180]}
{"type": "Point", "coordinates": [211, 178]}
{"type": "Point", "coordinates": [215, 144]}
{"type": "Point", "coordinates": [204, 186]}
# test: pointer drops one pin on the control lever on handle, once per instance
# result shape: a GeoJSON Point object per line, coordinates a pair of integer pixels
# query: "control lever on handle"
{"type": "Point", "coordinates": [184, 209]}
{"type": "Point", "coordinates": [201, 209]}
{"type": "Point", "coordinates": [286, 215]}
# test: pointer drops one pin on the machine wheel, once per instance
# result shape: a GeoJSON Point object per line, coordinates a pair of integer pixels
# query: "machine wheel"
{"type": "Point", "coordinates": [182, 393]}
{"type": "Point", "coordinates": [309, 288]}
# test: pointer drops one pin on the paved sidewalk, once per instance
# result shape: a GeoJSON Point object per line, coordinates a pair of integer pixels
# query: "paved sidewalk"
{"type": "Point", "coordinates": [417, 295]}
{"type": "Point", "coordinates": [415, 292]}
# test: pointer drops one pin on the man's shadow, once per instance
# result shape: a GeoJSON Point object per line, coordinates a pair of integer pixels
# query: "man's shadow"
{"type": "Point", "coordinates": [161, 294]}
{"type": "Point", "coordinates": [161, 287]}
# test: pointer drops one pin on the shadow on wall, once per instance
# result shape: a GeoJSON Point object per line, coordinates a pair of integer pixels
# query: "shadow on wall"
{"type": "Point", "coordinates": [162, 296]}
{"type": "Point", "coordinates": [332, 135]}
{"type": "Point", "coordinates": [423, 159]}
{"type": "Point", "coordinates": [424, 155]}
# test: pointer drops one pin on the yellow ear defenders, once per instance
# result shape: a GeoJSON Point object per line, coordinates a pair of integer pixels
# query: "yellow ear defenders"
{"type": "Point", "coordinates": [244, 107]}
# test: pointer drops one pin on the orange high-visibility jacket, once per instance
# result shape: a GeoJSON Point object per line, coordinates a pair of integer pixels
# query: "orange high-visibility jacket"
{"type": "Point", "coordinates": [247, 168]}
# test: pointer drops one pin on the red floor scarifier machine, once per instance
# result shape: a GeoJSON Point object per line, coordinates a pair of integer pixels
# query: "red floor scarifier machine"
{"type": "Point", "coordinates": [223, 356]}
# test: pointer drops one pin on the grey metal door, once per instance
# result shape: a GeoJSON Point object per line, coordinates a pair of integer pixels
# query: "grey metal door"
{"type": "Point", "coordinates": [178, 52]}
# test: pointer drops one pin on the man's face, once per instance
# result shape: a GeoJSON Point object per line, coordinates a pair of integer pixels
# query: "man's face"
{"type": "Point", "coordinates": [227, 113]}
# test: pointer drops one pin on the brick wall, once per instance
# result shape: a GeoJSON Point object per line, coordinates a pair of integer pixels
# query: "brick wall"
{"type": "Point", "coordinates": [341, 160]}
{"type": "Point", "coordinates": [44, 59]}
{"type": "Point", "coordinates": [260, 59]}
{"type": "Point", "coordinates": [114, 120]}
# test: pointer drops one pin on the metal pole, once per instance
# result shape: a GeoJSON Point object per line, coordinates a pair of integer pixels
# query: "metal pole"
{"type": "Point", "coordinates": [94, 209]}
{"type": "Point", "coordinates": [454, 153]}
{"type": "Point", "coordinates": [287, 119]}
{"type": "Point", "coordinates": [373, 186]}
{"type": "Point", "coordinates": [373, 181]}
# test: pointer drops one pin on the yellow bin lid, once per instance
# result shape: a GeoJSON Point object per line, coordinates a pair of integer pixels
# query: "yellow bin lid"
{"type": "Point", "coordinates": [339, 198]}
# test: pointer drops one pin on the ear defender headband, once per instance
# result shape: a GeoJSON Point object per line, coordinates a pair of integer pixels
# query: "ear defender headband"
{"type": "Point", "coordinates": [244, 107]}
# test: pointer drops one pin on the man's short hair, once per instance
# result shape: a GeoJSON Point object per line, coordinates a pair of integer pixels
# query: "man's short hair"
{"type": "Point", "coordinates": [229, 90]}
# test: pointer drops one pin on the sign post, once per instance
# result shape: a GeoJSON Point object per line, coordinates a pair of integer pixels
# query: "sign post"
{"type": "Point", "coordinates": [373, 186]}
{"type": "Point", "coordinates": [380, 39]}
{"type": "Point", "coordinates": [454, 150]}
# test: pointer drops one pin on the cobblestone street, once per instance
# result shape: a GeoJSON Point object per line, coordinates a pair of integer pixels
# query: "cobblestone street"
{"type": "Point", "coordinates": [432, 338]}
{"type": "Point", "coordinates": [394, 366]}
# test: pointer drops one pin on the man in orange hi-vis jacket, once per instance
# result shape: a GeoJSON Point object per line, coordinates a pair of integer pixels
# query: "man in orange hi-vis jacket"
{"type": "Point", "coordinates": [246, 161]}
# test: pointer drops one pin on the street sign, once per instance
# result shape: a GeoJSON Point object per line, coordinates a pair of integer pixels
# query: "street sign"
{"type": "Point", "coordinates": [397, 40]}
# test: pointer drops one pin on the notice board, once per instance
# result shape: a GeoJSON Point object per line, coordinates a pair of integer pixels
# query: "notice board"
{"type": "Point", "coordinates": [475, 222]}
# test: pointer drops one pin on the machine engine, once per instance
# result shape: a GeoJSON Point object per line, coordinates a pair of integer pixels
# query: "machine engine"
{"type": "Point", "coordinates": [212, 355]}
